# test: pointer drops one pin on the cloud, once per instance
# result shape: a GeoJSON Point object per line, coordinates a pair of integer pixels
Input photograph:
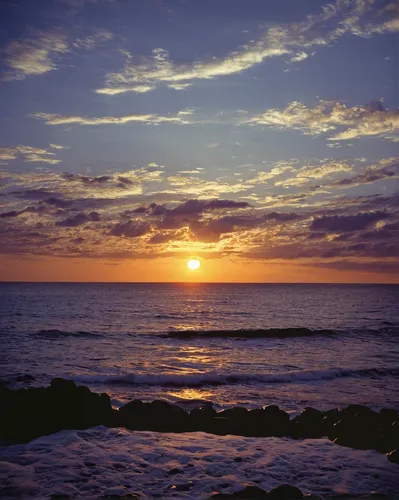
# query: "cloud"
{"type": "Point", "coordinates": [58, 146]}
{"type": "Point", "coordinates": [343, 223]}
{"type": "Point", "coordinates": [160, 69]}
{"type": "Point", "coordinates": [386, 168]}
{"type": "Point", "coordinates": [333, 21]}
{"type": "Point", "coordinates": [326, 169]}
{"type": "Point", "coordinates": [93, 41]}
{"type": "Point", "coordinates": [179, 86]}
{"type": "Point", "coordinates": [79, 219]}
{"type": "Point", "coordinates": [34, 55]}
{"type": "Point", "coordinates": [300, 56]}
{"type": "Point", "coordinates": [130, 229]}
{"type": "Point", "coordinates": [8, 154]}
{"type": "Point", "coordinates": [29, 154]}
{"type": "Point", "coordinates": [53, 119]}
{"type": "Point", "coordinates": [139, 89]}
{"type": "Point", "coordinates": [326, 116]}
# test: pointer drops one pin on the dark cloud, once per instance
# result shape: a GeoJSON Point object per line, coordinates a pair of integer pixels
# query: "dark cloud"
{"type": "Point", "coordinates": [367, 177]}
{"type": "Point", "coordinates": [130, 229]}
{"type": "Point", "coordinates": [118, 181]}
{"type": "Point", "coordinates": [192, 207]}
{"type": "Point", "coordinates": [57, 202]}
{"type": "Point", "coordinates": [15, 213]}
{"type": "Point", "coordinates": [199, 206]}
{"type": "Point", "coordinates": [342, 223]}
{"type": "Point", "coordinates": [85, 179]}
{"type": "Point", "coordinates": [212, 229]}
{"type": "Point", "coordinates": [79, 219]}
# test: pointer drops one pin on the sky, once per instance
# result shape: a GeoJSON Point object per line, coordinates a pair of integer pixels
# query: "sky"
{"type": "Point", "coordinates": [260, 137]}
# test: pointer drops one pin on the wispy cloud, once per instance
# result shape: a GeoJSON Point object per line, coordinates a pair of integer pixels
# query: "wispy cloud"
{"type": "Point", "coordinates": [327, 116]}
{"type": "Point", "coordinates": [355, 17]}
{"type": "Point", "coordinates": [41, 52]}
{"type": "Point", "coordinates": [34, 55]}
{"type": "Point", "coordinates": [93, 41]}
{"type": "Point", "coordinates": [29, 154]}
{"type": "Point", "coordinates": [54, 119]}
{"type": "Point", "coordinates": [160, 69]}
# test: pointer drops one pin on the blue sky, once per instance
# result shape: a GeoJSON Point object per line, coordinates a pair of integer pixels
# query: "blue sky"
{"type": "Point", "coordinates": [117, 107]}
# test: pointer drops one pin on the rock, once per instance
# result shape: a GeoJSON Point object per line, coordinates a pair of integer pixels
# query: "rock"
{"type": "Point", "coordinates": [393, 456]}
{"type": "Point", "coordinates": [308, 424]}
{"type": "Point", "coordinates": [284, 492]}
{"type": "Point", "coordinates": [38, 411]}
{"type": "Point", "coordinates": [251, 491]}
{"type": "Point", "coordinates": [221, 426]}
{"type": "Point", "coordinates": [62, 385]}
{"type": "Point", "coordinates": [165, 417]}
{"type": "Point", "coordinates": [358, 427]}
{"type": "Point", "coordinates": [387, 416]}
{"type": "Point", "coordinates": [200, 418]}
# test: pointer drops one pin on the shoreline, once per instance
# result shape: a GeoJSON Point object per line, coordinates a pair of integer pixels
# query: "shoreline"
{"type": "Point", "coordinates": [54, 417]}
{"type": "Point", "coordinates": [39, 411]}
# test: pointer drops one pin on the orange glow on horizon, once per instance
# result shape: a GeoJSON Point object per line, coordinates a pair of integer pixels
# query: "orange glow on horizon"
{"type": "Point", "coordinates": [172, 269]}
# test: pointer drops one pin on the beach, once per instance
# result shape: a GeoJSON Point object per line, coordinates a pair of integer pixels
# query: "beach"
{"type": "Point", "coordinates": [196, 348]}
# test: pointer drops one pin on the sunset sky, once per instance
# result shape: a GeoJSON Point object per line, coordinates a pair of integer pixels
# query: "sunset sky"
{"type": "Point", "coordinates": [259, 136]}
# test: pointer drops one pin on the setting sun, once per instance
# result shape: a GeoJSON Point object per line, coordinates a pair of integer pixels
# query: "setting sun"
{"type": "Point", "coordinates": [193, 264]}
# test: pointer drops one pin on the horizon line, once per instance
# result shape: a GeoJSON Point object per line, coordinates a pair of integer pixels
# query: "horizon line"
{"type": "Point", "coordinates": [199, 282]}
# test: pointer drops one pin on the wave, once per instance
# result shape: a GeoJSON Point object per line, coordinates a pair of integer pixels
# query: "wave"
{"type": "Point", "coordinates": [54, 333]}
{"type": "Point", "coordinates": [206, 379]}
{"type": "Point", "coordinates": [249, 333]}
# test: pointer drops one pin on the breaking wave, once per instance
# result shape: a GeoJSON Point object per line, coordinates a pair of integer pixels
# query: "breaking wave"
{"type": "Point", "coordinates": [204, 379]}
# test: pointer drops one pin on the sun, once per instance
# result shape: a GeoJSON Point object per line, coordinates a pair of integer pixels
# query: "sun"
{"type": "Point", "coordinates": [193, 264]}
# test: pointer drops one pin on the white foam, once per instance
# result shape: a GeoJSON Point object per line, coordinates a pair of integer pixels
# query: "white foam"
{"type": "Point", "coordinates": [99, 461]}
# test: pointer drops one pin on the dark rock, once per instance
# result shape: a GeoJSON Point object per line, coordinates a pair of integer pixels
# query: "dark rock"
{"type": "Point", "coordinates": [251, 491]}
{"type": "Point", "coordinates": [358, 427]}
{"type": "Point", "coordinates": [237, 459]}
{"type": "Point", "coordinates": [38, 411]}
{"type": "Point", "coordinates": [387, 416]}
{"type": "Point", "coordinates": [308, 424]}
{"type": "Point", "coordinates": [200, 418]}
{"type": "Point", "coordinates": [62, 385]}
{"type": "Point", "coordinates": [393, 456]}
{"type": "Point", "coordinates": [221, 426]}
{"type": "Point", "coordinates": [275, 422]}
{"type": "Point", "coordinates": [284, 492]}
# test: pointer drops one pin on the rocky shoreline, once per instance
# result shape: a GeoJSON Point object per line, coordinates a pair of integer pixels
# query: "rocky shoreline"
{"type": "Point", "coordinates": [36, 411]}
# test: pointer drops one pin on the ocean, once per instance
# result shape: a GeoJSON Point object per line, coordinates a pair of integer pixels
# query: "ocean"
{"type": "Point", "coordinates": [113, 337]}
